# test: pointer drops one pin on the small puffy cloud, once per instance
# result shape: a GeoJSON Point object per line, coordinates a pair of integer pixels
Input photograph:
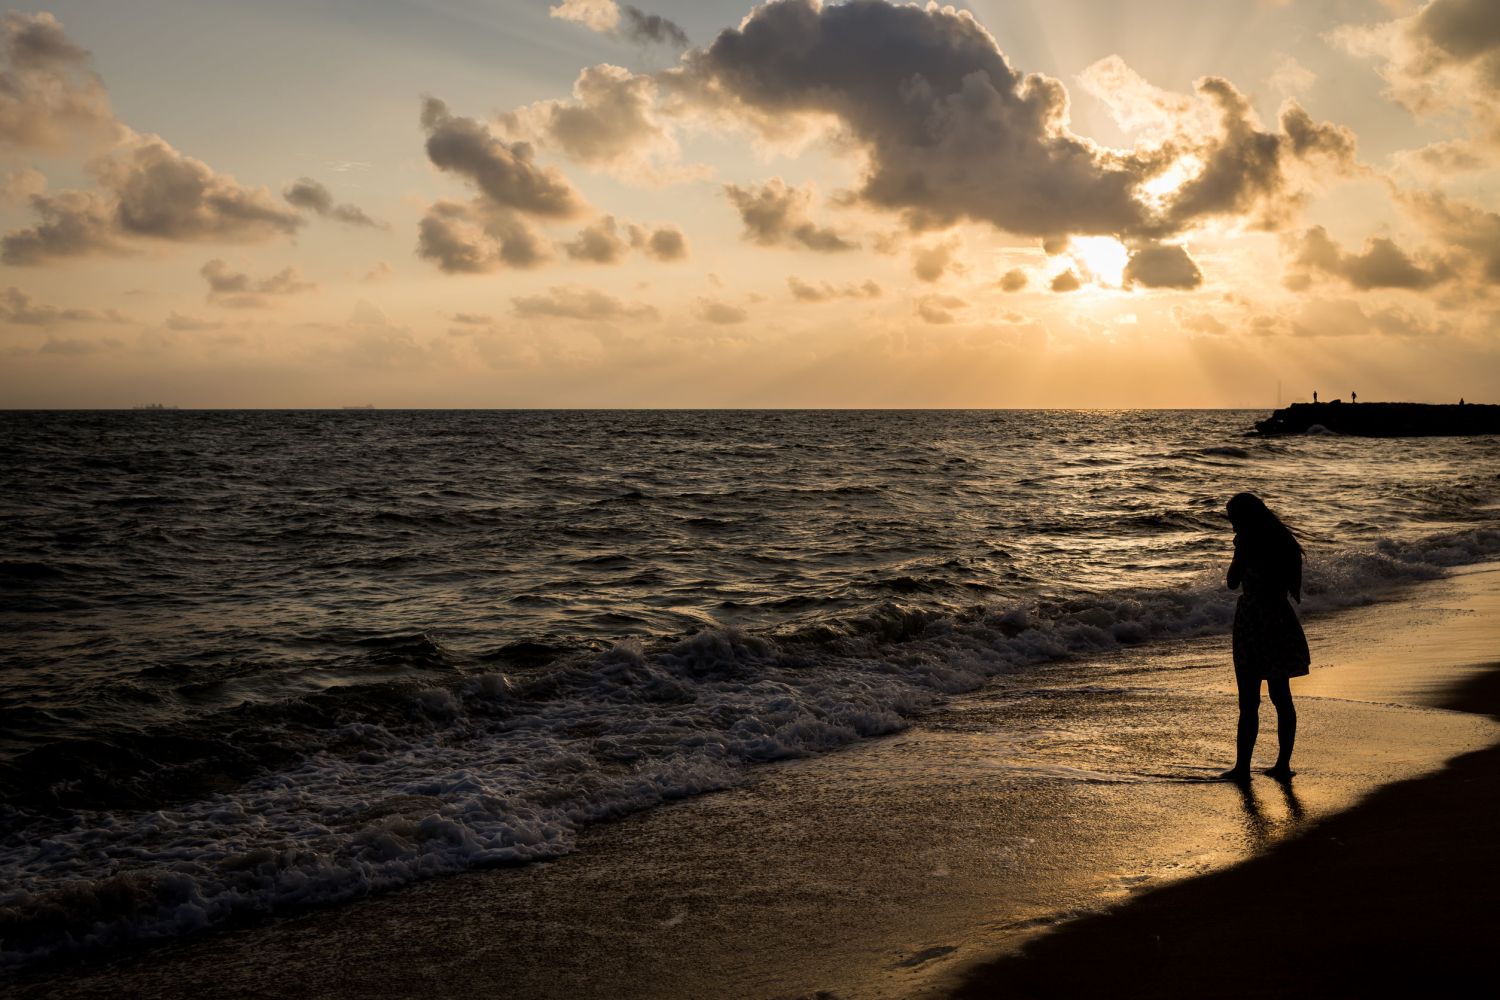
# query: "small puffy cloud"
{"type": "Point", "coordinates": [1013, 280]}
{"type": "Point", "coordinates": [48, 92]}
{"type": "Point", "coordinates": [804, 291]}
{"type": "Point", "coordinates": [664, 243]}
{"type": "Point", "coordinates": [1067, 281]}
{"type": "Point", "coordinates": [308, 194]}
{"type": "Point", "coordinates": [1381, 264]}
{"type": "Point", "coordinates": [600, 243]}
{"type": "Point", "coordinates": [610, 123]}
{"type": "Point", "coordinates": [70, 224]}
{"type": "Point", "coordinates": [721, 313]}
{"type": "Point", "coordinates": [473, 319]}
{"type": "Point", "coordinates": [475, 237]}
{"type": "Point", "coordinates": [19, 309]}
{"type": "Point", "coordinates": [1164, 265]}
{"type": "Point", "coordinates": [237, 290]}
{"type": "Point", "coordinates": [1291, 77]}
{"type": "Point", "coordinates": [504, 174]}
{"type": "Point", "coordinates": [930, 263]}
{"type": "Point", "coordinates": [623, 21]}
{"type": "Point", "coordinates": [588, 304]}
{"type": "Point", "coordinates": [938, 309]}
{"type": "Point", "coordinates": [776, 214]}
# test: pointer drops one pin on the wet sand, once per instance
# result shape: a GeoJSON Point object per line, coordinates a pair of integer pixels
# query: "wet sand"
{"type": "Point", "coordinates": [905, 866]}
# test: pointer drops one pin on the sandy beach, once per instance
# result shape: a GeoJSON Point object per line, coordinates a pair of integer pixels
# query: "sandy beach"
{"type": "Point", "coordinates": [1068, 813]}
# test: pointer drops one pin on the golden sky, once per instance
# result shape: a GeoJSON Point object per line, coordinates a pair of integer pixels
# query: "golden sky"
{"type": "Point", "coordinates": [456, 203]}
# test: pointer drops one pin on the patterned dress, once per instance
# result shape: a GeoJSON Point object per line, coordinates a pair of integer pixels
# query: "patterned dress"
{"type": "Point", "coordinates": [1268, 638]}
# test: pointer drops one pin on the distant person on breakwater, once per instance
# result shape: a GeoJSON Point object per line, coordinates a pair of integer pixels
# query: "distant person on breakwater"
{"type": "Point", "coordinates": [1315, 395]}
{"type": "Point", "coordinates": [1269, 644]}
{"type": "Point", "coordinates": [1353, 396]}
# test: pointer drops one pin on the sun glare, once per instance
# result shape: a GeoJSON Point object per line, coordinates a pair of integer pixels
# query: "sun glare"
{"type": "Point", "coordinates": [1103, 257]}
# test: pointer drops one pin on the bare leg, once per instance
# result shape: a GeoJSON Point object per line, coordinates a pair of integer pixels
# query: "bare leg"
{"type": "Point", "coordinates": [1286, 726]}
{"type": "Point", "coordinates": [1247, 728]}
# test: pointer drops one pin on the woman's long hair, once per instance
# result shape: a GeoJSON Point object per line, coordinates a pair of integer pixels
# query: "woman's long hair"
{"type": "Point", "coordinates": [1260, 531]}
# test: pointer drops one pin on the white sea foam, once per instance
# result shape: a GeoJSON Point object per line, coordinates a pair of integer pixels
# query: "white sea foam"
{"type": "Point", "coordinates": [502, 776]}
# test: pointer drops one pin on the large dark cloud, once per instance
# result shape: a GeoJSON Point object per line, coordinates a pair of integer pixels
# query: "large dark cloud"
{"type": "Point", "coordinates": [1382, 264]}
{"type": "Point", "coordinates": [950, 131]}
{"type": "Point", "coordinates": [308, 194]}
{"type": "Point", "coordinates": [48, 92]}
{"type": "Point", "coordinates": [1445, 57]}
{"type": "Point", "coordinates": [1472, 233]}
{"type": "Point", "coordinates": [1164, 265]}
{"type": "Point", "coordinates": [776, 214]}
{"type": "Point", "coordinates": [505, 174]}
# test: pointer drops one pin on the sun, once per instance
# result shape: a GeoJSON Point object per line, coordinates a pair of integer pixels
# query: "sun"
{"type": "Point", "coordinates": [1102, 257]}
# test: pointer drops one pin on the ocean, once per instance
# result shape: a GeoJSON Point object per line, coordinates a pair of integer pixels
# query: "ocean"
{"type": "Point", "coordinates": [259, 660]}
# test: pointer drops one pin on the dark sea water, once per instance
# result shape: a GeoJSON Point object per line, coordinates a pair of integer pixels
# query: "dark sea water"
{"type": "Point", "coordinates": [254, 660]}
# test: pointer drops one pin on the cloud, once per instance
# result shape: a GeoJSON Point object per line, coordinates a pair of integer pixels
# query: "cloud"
{"type": "Point", "coordinates": [1291, 77]}
{"type": "Point", "coordinates": [473, 319]}
{"type": "Point", "coordinates": [147, 190]}
{"type": "Point", "coordinates": [190, 324]}
{"type": "Point", "coordinates": [611, 123]}
{"type": "Point", "coordinates": [930, 263]}
{"type": "Point", "coordinates": [20, 185]}
{"type": "Point", "coordinates": [1013, 280]}
{"type": "Point", "coordinates": [504, 174]}
{"type": "Point", "coordinates": [568, 302]}
{"type": "Point", "coordinates": [475, 238]}
{"type": "Point", "coordinates": [721, 313]}
{"type": "Point", "coordinates": [1067, 281]}
{"type": "Point", "coordinates": [938, 309]}
{"type": "Point", "coordinates": [804, 291]}
{"type": "Point", "coordinates": [622, 21]}
{"type": "Point", "coordinates": [1382, 264]}
{"type": "Point", "coordinates": [236, 290]}
{"type": "Point", "coordinates": [71, 224]}
{"type": "Point", "coordinates": [378, 274]}
{"type": "Point", "coordinates": [600, 243]}
{"type": "Point", "coordinates": [19, 309]}
{"type": "Point", "coordinates": [949, 131]}
{"type": "Point", "coordinates": [776, 214]}
{"type": "Point", "coordinates": [1473, 233]}
{"type": "Point", "coordinates": [1346, 318]}
{"type": "Point", "coordinates": [1164, 265]}
{"type": "Point", "coordinates": [664, 243]}
{"type": "Point", "coordinates": [306, 193]}
{"type": "Point", "coordinates": [48, 93]}
{"type": "Point", "coordinates": [1445, 57]}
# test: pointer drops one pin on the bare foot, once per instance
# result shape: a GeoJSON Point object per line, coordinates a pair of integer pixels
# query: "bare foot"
{"type": "Point", "coordinates": [1280, 772]}
{"type": "Point", "coordinates": [1236, 774]}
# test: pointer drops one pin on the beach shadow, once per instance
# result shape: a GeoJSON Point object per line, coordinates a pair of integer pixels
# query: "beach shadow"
{"type": "Point", "coordinates": [1392, 897]}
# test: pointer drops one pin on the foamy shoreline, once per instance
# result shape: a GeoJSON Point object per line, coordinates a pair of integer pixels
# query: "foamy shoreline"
{"type": "Point", "coordinates": [966, 832]}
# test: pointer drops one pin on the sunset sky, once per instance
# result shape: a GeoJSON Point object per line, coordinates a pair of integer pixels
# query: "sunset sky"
{"type": "Point", "coordinates": [455, 203]}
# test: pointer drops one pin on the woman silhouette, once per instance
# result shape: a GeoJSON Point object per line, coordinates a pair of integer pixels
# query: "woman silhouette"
{"type": "Point", "coordinates": [1269, 644]}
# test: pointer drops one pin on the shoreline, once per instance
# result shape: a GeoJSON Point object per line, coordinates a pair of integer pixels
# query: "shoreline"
{"type": "Point", "coordinates": [880, 870]}
{"type": "Point", "coordinates": [1396, 895]}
